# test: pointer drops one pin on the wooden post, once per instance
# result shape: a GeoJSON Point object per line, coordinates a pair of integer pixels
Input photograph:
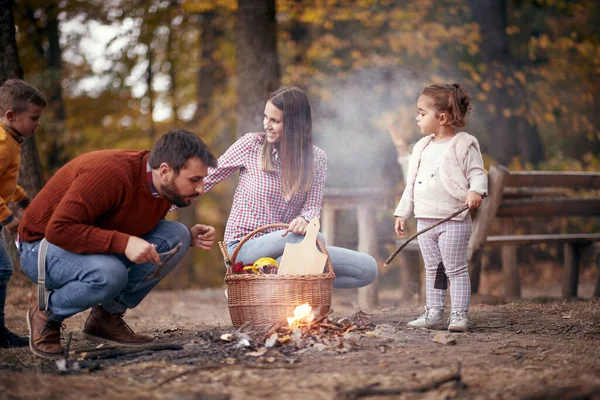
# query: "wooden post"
{"type": "Point", "coordinates": [367, 243]}
{"type": "Point", "coordinates": [474, 265]}
{"type": "Point", "coordinates": [328, 223]}
{"type": "Point", "coordinates": [483, 220]}
{"type": "Point", "coordinates": [510, 268]}
{"type": "Point", "coordinates": [571, 270]}
{"type": "Point", "coordinates": [597, 289]}
{"type": "Point", "coordinates": [410, 274]}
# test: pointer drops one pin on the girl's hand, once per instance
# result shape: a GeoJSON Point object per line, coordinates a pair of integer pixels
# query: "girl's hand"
{"type": "Point", "coordinates": [297, 226]}
{"type": "Point", "coordinates": [399, 226]}
{"type": "Point", "coordinates": [473, 200]}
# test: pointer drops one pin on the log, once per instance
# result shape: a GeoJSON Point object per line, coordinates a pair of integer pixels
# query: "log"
{"type": "Point", "coordinates": [129, 351]}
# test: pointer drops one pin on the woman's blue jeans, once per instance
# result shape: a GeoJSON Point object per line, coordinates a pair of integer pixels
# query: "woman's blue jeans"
{"type": "Point", "coordinates": [352, 269]}
{"type": "Point", "coordinates": [79, 281]}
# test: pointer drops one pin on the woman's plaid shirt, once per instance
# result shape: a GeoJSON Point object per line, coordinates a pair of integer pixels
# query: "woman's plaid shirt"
{"type": "Point", "coordinates": [258, 199]}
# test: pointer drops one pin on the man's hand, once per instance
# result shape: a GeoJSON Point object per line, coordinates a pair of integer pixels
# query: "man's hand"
{"type": "Point", "coordinates": [203, 236]}
{"type": "Point", "coordinates": [399, 226]}
{"type": "Point", "coordinates": [297, 226]}
{"type": "Point", "coordinates": [473, 200]}
{"type": "Point", "coordinates": [140, 251]}
{"type": "Point", "coordinates": [13, 226]}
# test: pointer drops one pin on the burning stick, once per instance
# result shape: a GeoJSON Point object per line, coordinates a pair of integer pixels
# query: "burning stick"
{"type": "Point", "coordinates": [274, 328]}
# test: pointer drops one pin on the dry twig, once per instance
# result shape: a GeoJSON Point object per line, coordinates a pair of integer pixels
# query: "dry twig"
{"type": "Point", "coordinates": [372, 390]}
{"type": "Point", "coordinates": [189, 371]}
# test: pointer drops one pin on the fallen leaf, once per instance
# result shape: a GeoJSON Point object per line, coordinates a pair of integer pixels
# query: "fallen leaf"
{"type": "Point", "coordinates": [257, 353]}
{"type": "Point", "coordinates": [227, 337]}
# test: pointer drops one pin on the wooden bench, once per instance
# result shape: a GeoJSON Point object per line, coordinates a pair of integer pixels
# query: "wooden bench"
{"type": "Point", "coordinates": [540, 195]}
{"type": "Point", "coordinates": [365, 201]}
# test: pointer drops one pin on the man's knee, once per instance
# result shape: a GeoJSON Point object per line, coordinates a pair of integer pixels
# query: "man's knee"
{"type": "Point", "coordinates": [174, 232]}
{"type": "Point", "coordinates": [108, 277]}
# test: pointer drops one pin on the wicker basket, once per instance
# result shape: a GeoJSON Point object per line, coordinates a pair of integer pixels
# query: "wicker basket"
{"type": "Point", "coordinates": [263, 300]}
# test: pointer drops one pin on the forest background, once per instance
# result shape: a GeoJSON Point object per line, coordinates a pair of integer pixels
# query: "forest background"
{"type": "Point", "coordinates": [119, 73]}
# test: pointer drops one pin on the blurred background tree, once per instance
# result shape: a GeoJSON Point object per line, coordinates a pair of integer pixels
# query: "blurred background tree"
{"type": "Point", "coordinates": [120, 73]}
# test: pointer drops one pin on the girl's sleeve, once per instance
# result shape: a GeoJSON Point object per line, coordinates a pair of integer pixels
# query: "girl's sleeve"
{"type": "Point", "coordinates": [406, 206]}
{"type": "Point", "coordinates": [232, 160]}
{"type": "Point", "coordinates": [476, 175]}
{"type": "Point", "coordinates": [314, 198]}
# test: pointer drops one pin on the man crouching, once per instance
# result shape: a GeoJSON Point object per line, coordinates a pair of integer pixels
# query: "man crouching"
{"type": "Point", "coordinates": [102, 217]}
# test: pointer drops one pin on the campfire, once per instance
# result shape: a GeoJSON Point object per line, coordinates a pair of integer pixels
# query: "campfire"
{"type": "Point", "coordinates": [303, 329]}
{"type": "Point", "coordinates": [302, 315]}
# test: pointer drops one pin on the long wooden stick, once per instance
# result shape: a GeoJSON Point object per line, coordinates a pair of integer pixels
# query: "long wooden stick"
{"type": "Point", "coordinates": [395, 253]}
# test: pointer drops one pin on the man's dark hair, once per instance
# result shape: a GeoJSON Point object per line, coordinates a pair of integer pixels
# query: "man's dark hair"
{"type": "Point", "coordinates": [177, 147]}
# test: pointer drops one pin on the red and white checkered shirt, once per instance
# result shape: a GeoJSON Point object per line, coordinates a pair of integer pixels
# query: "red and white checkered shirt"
{"type": "Point", "coordinates": [258, 199]}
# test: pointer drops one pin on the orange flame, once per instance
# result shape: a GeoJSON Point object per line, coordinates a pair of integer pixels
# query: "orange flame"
{"type": "Point", "coordinates": [302, 313]}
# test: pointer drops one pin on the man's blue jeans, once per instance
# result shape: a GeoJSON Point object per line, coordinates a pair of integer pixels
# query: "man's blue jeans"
{"type": "Point", "coordinates": [352, 269]}
{"type": "Point", "coordinates": [79, 281]}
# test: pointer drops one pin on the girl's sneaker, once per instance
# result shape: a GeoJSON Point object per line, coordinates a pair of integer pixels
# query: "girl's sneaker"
{"type": "Point", "coordinates": [458, 321]}
{"type": "Point", "coordinates": [432, 318]}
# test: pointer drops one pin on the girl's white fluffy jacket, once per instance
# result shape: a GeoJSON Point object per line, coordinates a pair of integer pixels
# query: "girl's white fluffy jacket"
{"type": "Point", "coordinates": [452, 171]}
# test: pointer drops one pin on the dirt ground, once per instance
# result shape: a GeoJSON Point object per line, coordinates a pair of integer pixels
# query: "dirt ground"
{"type": "Point", "coordinates": [531, 349]}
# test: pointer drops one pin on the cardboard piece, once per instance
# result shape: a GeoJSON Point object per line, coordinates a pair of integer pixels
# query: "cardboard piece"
{"type": "Point", "coordinates": [303, 258]}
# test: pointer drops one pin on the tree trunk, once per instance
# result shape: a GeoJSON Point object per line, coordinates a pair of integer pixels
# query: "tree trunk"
{"type": "Point", "coordinates": [210, 74]}
{"type": "Point", "coordinates": [257, 62]}
{"type": "Point", "coordinates": [150, 92]}
{"type": "Point", "coordinates": [300, 36]}
{"type": "Point", "coordinates": [10, 67]}
{"type": "Point", "coordinates": [30, 174]}
{"type": "Point", "coordinates": [56, 157]}
{"type": "Point", "coordinates": [512, 134]}
{"type": "Point", "coordinates": [184, 275]}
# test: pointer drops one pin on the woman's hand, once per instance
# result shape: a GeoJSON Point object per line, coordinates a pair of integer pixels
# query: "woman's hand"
{"type": "Point", "coordinates": [473, 200]}
{"type": "Point", "coordinates": [297, 226]}
{"type": "Point", "coordinates": [399, 226]}
{"type": "Point", "coordinates": [203, 236]}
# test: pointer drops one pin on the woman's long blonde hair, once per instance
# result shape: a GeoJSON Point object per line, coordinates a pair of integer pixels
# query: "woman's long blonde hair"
{"type": "Point", "coordinates": [295, 145]}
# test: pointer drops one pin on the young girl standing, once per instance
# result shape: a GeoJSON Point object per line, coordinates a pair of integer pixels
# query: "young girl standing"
{"type": "Point", "coordinates": [444, 174]}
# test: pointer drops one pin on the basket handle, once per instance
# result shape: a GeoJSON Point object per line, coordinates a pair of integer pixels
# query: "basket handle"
{"type": "Point", "coordinates": [320, 245]}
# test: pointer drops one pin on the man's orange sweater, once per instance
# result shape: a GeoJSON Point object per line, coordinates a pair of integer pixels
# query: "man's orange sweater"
{"type": "Point", "coordinates": [94, 203]}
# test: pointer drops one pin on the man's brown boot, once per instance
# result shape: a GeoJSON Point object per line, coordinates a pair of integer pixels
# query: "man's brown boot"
{"type": "Point", "coordinates": [44, 334]}
{"type": "Point", "coordinates": [101, 326]}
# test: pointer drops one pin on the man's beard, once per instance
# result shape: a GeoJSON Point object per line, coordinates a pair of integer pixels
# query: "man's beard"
{"type": "Point", "coordinates": [171, 194]}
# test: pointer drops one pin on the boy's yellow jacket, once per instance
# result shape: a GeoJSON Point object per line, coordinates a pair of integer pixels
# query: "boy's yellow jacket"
{"type": "Point", "coordinates": [10, 161]}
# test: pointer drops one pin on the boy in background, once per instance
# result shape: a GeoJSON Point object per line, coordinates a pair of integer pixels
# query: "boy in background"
{"type": "Point", "coordinates": [21, 106]}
